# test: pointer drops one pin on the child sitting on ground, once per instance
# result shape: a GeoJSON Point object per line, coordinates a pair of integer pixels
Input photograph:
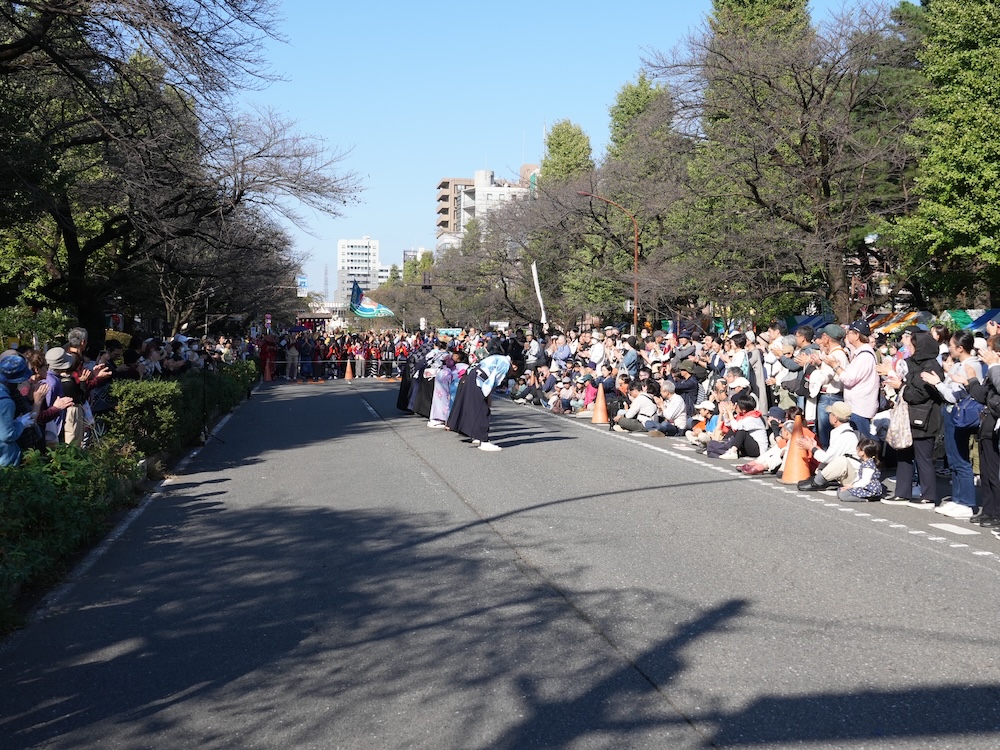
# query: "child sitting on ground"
{"type": "Point", "coordinates": [868, 486]}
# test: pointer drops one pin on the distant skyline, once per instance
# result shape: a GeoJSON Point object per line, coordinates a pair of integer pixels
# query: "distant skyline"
{"type": "Point", "coordinates": [414, 95]}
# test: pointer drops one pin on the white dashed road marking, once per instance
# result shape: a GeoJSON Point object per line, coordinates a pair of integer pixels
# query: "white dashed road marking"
{"type": "Point", "coordinates": [952, 528]}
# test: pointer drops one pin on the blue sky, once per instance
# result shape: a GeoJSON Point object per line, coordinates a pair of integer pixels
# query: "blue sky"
{"type": "Point", "coordinates": [420, 91]}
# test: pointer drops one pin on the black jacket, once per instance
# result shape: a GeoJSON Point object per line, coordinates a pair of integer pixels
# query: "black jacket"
{"type": "Point", "coordinates": [924, 399]}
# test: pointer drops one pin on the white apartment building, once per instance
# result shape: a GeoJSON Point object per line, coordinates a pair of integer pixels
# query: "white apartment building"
{"type": "Point", "coordinates": [460, 201]}
{"type": "Point", "coordinates": [357, 260]}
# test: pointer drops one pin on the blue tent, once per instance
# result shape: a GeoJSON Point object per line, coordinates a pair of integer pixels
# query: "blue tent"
{"type": "Point", "coordinates": [979, 324]}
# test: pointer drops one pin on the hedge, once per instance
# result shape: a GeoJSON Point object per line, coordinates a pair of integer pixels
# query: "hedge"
{"type": "Point", "coordinates": [52, 505]}
{"type": "Point", "coordinates": [165, 416]}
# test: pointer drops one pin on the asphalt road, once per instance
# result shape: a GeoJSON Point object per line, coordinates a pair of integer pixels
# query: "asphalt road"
{"type": "Point", "coordinates": [336, 575]}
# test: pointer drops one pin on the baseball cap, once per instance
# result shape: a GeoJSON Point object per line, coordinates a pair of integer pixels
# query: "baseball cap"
{"type": "Point", "coordinates": [861, 326]}
{"type": "Point", "coordinates": [841, 410]}
{"type": "Point", "coordinates": [834, 331]}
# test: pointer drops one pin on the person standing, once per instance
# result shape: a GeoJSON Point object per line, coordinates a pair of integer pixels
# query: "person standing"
{"type": "Point", "coordinates": [14, 370]}
{"type": "Point", "coordinates": [924, 402]}
{"type": "Point", "coordinates": [964, 369]}
{"type": "Point", "coordinates": [859, 377]}
{"type": "Point", "coordinates": [988, 393]}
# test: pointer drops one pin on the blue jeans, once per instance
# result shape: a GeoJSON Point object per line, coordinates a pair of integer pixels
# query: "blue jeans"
{"type": "Point", "coordinates": [956, 447]}
{"type": "Point", "coordinates": [863, 426]}
{"type": "Point", "coordinates": [823, 426]}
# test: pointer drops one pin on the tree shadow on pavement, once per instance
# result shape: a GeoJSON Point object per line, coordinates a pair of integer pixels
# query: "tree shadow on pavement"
{"type": "Point", "coordinates": [315, 627]}
{"type": "Point", "coordinates": [303, 626]}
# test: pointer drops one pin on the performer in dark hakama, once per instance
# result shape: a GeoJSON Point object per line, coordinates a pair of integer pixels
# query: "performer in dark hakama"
{"type": "Point", "coordinates": [410, 373]}
{"type": "Point", "coordinates": [470, 414]}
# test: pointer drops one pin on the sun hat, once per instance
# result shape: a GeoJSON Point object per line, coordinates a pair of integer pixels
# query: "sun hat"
{"type": "Point", "coordinates": [58, 358]}
{"type": "Point", "coordinates": [14, 369]}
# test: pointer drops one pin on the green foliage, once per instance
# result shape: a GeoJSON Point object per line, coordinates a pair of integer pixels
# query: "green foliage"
{"type": "Point", "coordinates": [167, 416]}
{"type": "Point", "coordinates": [119, 336]}
{"type": "Point", "coordinates": [52, 505]}
{"type": "Point", "coordinates": [632, 101]}
{"type": "Point", "coordinates": [23, 323]}
{"type": "Point", "coordinates": [777, 17]}
{"type": "Point", "coordinates": [567, 153]}
{"type": "Point", "coordinates": [957, 224]}
{"type": "Point", "coordinates": [146, 412]}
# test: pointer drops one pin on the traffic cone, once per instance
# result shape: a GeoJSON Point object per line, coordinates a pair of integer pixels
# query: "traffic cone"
{"type": "Point", "coordinates": [348, 371]}
{"type": "Point", "coordinates": [797, 460]}
{"type": "Point", "coordinates": [600, 407]}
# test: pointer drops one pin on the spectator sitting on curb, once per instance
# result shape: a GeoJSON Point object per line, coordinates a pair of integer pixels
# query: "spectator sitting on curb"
{"type": "Point", "coordinates": [867, 487]}
{"type": "Point", "coordinates": [838, 464]}
{"type": "Point", "coordinates": [640, 411]}
{"type": "Point", "coordinates": [672, 419]}
{"type": "Point", "coordinates": [707, 421]}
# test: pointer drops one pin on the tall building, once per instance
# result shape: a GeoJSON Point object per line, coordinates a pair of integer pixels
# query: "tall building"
{"type": "Point", "coordinates": [357, 260]}
{"type": "Point", "coordinates": [449, 192]}
{"type": "Point", "coordinates": [459, 201]}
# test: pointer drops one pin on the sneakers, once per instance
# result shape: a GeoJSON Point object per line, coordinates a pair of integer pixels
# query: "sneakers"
{"type": "Point", "coordinates": [476, 443]}
{"type": "Point", "coordinates": [919, 502]}
{"type": "Point", "coordinates": [655, 433]}
{"type": "Point", "coordinates": [435, 425]}
{"type": "Point", "coordinates": [618, 428]}
{"type": "Point", "coordinates": [730, 455]}
{"type": "Point", "coordinates": [895, 500]}
{"type": "Point", "coordinates": [489, 447]}
{"type": "Point", "coordinates": [956, 510]}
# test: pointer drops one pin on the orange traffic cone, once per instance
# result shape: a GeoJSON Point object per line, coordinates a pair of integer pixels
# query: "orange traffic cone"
{"type": "Point", "coordinates": [797, 460]}
{"type": "Point", "coordinates": [348, 371]}
{"type": "Point", "coordinates": [600, 407]}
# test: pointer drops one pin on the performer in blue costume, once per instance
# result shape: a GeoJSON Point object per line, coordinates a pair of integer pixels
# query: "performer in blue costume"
{"type": "Point", "coordinates": [470, 414]}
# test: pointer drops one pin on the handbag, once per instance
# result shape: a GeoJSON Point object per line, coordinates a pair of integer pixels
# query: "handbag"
{"type": "Point", "coordinates": [920, 414]}
{"type": "Point", "coordinates": [967, 413]}
{"type": "Point", "coordinates": [899, 435]}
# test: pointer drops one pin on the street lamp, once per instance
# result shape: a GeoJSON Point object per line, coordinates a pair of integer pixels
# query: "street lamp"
{"type": "Point", "coordinates": [635, 266]}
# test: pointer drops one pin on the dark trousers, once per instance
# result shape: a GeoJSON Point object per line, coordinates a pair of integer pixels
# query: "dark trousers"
{"type": "Point", "coordinates": [745, 445]}
{"type": "Point", "coordinates": [920, 453]}
{"type": "Point", "coordinates": [989, 475]}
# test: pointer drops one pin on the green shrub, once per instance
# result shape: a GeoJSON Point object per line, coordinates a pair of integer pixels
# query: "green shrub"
{"type": "Point", "coordinates": [146, 413]}
{"type": "Point", "coordinates": [120, 336]}
{"type": "Point", "coordinates": [52, 505]}
{"type": "Point", "coordinates": [167, 416]}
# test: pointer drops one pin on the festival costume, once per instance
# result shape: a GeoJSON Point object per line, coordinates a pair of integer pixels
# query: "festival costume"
{"type": "Point", "coordinates": [470, 414]}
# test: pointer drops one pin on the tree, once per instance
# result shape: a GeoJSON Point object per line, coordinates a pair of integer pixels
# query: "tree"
{"type": "Point", "coordinates": [632, 101]}
{"type": "Point", "coordinates": [567, 153]}
{"type": "Point", "coordinates": [953, 237]}
{"type": "Point", "coordinates": [799, 138]}
{"type": "Point", "coordinates": [124, 161]}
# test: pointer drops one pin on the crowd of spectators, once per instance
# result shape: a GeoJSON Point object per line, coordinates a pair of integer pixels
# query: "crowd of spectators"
{"type": "Point", "coordinates": [738, 397]}
{"type": "Point", "coordinates": [731, 397]}
{"type": "Point", "coordinates": [61, 395]}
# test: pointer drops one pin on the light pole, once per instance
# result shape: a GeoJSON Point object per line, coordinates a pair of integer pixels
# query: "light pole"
{"type": "Point", "coordinates": [635, 266]}
{"type": "Point", "coordinates": [208, 296]}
